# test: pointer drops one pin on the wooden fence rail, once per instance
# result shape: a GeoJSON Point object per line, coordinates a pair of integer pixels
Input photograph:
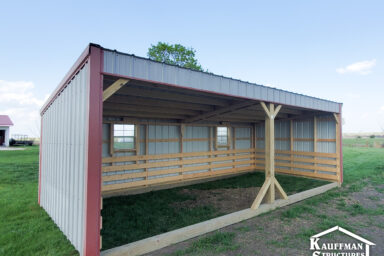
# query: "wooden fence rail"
{"type": "Point", "coordinates": [129, 172]}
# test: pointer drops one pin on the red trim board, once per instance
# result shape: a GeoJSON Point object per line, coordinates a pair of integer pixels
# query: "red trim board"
{"type": "Point", "coordinates": [94, 150]}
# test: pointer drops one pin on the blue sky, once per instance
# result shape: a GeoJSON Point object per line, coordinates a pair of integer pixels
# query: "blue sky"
{"type": "Point", "coordinates": [328, 49]}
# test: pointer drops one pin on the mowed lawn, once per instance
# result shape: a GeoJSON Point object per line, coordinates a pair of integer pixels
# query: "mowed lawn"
{"type": "Point", "coordinates": [25, 229]}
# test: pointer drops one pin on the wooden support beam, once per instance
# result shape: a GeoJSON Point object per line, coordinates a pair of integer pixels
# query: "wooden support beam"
{"type": "Point", "coordinates": [338, 138]}
{"type": "Point", "coordinates": [110, 106]}
{"type": "Point", "coordinates": [150, 102]}
{"type": "Point", "coordinates": [263, 190]}
{"type": "Point", "coordinates": [112, 89]}
{"type": "Point", "coordinates": [173, 96]}
{"type": "Point", "coordinates": [268, 188]}
{"type": "Point", "coordinates": [336, 116]}
{"type": "Point", "coordinates": [220, 111]}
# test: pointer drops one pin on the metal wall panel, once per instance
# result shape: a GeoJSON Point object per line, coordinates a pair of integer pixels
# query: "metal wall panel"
{"type": "Point", "coordinates": [326, 129]}
{"type": "Point", "coordinates": [303, 129]}
{"type": "Point", "coordinates": [140, 68]}
{"type": "Point", "coordinates": [63, 158]}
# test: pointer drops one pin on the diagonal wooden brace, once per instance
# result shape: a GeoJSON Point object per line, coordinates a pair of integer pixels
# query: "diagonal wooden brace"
{"type": "Point", "coordinates": [114, 88]}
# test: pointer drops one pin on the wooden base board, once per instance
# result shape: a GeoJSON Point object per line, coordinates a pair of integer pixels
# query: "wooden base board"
{"type": "Point", "coordinates": [160, 241]}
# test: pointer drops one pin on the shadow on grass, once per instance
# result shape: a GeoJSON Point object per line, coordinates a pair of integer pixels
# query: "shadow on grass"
{"type": "Point", "coordinates": [130, 218]}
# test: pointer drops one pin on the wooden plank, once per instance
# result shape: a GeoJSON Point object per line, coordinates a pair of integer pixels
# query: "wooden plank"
{"type": "Point", "coordinates": [180, 170]}
{"type": "Point", "coordinates": [219, 172]}
{"type": "Point", "coordinates": [114, 88]}
{"type": "Point", "coordinates": [326, 140]}
{"type": "Point", "coordinates": [323, 176]}
{"type": "Point", "coordinates": [220, 111]}
{"type": "Point", "coordinates": [338, 138]}
{"type": "Point", "coordinates": [170, 163]}
{"type": "Point", "coordinates": [178, 97]}
{"type": "Point", "coordinates": [276, 111]}
{"type": "Point", "coordinates": [270, 152]}
{"type": "Point", "coordinates": [174, 155]}
{"type": "Point", "coordinates": [178, 178]}
{"type": "Point", "coordinates": [280, 190]}
{"type": "Point", "coordinates": [146, 147]}
{"type": "Point", "coordinates": [142, 101]}
{"type": "Point", "coordinates": [263, 190]}
{"type": "Point", "coordinates": [314, 138]}
{"type": "Point", "coordinates": [336, 116]}
{"type": "Point", "coordinates": [309, 167]}
{"type": "Point", "coordinates": [330, 155]}
{"type": "Point", "coordinates": [306, 160]}
{"type": "Point", "coordinates": [142, 114]}
{"type": "Point", "coordinates": [291, 144]}
{"type": "Point", "coordinates": [265, 108]}
{"type": "Point", "coordinates": [172, 184]}
{"type": "Point", "coordinates": [160, 241]}
{"type": "Point", "coordinates": [108, 106]}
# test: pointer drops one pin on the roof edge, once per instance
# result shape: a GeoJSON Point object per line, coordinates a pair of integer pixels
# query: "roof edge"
{"type": "Point", "coordinates": [210, 73]}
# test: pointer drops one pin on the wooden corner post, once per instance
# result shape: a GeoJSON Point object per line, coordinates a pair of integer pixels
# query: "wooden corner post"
{"type": "Point", "coordinates": [268, 188]}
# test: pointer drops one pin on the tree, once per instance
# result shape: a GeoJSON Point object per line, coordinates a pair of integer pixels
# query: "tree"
{"type": "Point", "coordinates": [175, 54]}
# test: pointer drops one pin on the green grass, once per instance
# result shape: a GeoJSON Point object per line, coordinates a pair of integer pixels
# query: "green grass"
{"type": "Point", "coordinates": [130, 218]}
{"type": "Point", "coordinates": [218, 242]}
{"type": "Point", "coordinates": [362, 141]}
{"type": "Point", "coordinates": [25, 228]}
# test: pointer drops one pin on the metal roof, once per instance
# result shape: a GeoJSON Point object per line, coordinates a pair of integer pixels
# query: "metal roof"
{"type": "Point", "coordinates": [134, 67]}
{"type": "Point", "coordinates": [5, 120]}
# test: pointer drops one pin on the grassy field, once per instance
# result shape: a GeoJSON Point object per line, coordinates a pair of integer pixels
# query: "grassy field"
{"type": "Point", "coordinates": [363, 142]}
{"type": "Point", "coordinates": [25, 229]}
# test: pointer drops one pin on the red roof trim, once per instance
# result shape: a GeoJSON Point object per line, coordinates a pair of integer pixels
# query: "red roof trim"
{"type": "Point", "coordinates": [5, 120]}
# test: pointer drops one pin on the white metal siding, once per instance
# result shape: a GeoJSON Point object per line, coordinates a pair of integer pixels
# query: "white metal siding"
{"type": "Point", "coordinates": [63, 158]}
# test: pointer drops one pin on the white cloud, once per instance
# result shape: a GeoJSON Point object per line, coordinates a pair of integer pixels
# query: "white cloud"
{"type": "Point", "coordinates": [382, 108]}
{"type": "Point", "coordinates": [19, 101]}
{"type": "Point", "coordinates": [362, 67]}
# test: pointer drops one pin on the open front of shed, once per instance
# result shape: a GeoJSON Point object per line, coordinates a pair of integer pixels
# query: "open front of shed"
{"type": "Point", "coordinates": [119, 124]}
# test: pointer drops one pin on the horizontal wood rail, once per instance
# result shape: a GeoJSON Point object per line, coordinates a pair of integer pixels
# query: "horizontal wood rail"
{"type": "Point", "coordinates": [175, 155]}
{"type": "Point", "coordinates": [193, 165]}
{"type": "Point", "coordinates": [135, 171]}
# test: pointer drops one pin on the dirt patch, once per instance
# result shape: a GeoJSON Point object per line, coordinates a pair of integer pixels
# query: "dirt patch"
{"type": "Point", "coordinates": [369, 198]}
{"type": "Point", "coordinates": [224, 200]}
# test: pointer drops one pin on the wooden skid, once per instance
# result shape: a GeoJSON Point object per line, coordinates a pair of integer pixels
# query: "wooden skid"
{"type": "Point", "coordinates": [160, 241]}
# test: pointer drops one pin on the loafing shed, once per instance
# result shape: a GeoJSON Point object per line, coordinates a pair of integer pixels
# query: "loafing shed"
{"type": "Point", "coordinates": [121, 124]}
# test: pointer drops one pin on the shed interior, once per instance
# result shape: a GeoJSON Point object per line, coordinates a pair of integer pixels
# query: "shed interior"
{"type": "Point", "coordinates": [158, 136]}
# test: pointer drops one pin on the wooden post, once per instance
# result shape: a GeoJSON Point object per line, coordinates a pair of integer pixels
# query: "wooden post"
{"type": "Point", "coordinates": [314, 140]}
{"type": "Point", "coordinates": [291, 142]}
{"type": "Point", "coordinates": [233, 145]}
{"type": "Point", "coordinates": [146, 148]}
{"type": "Point", "coordinates": [268, 188]}
{"type": "Point", "coordinates": [337, 119]}
{"type": "Point", "coordinates": [182, 126]}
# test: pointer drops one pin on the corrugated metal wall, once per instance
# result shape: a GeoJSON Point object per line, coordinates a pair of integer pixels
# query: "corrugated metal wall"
{"type": "Point", "coordinates": [133, 66]}
{"type": "Point", "coordinates": [302, 129]}
{"type": "Point", "coordinates": [195, 139]}
{"type": "Point", "coordinates": [63, 158]}
{"type": "Point", "coordinates": [303, 139]}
